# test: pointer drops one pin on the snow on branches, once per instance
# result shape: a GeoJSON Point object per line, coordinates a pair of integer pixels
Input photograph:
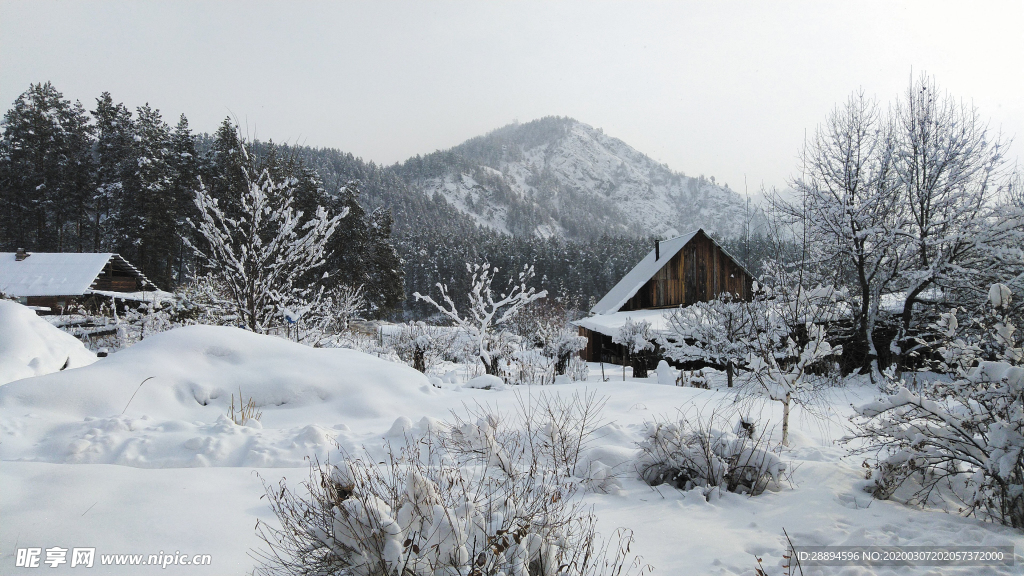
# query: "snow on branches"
{"type": "Point", "coordinates": [260, 253]}
{"type": "Point", "coordinates": [790, 347]}
{"type": "Point", "coordinates": [719, 332]}
{"type": "Point", "coordinates": [487, 494]}
{"type": "Point", "coordinates": [692, 453]}
{"type": "Point", "coordinates": [636, 338]}
{"type": "Point", "coordinates": [488, 311]}
{"type": "Point", "coordinates": [962, 438]}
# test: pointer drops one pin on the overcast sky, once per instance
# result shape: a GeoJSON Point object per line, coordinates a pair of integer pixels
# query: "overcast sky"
{"type": "Point", "coordinates": [724, 89]}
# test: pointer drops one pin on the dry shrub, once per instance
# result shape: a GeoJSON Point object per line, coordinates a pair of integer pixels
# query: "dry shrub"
{"type": "Point", "coordinates": [483, 495]}
{"type": "Point", "coordinates": [246, 410]}
{"type": "Point", "coordinates": [692, 453]}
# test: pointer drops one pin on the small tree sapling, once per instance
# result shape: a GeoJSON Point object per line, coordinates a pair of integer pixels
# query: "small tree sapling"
{"type": "Point", "coordinates": [259, 255]}
{"type": "Point", "coordinates": [488, 311]}
{"type": "Point", "coordinates": [637, 339]}
{"type": "Point", "coordinates": [719, 332]}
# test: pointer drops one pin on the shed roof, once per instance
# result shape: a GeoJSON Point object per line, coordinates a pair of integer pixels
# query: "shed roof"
{"type": "Point", "coordinates": [610, 324]}
{"type": "Point", "coordinates": [57, 273]}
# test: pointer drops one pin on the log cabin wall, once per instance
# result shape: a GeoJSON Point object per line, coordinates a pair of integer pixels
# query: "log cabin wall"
{"type": "Point", "coordinates": [699, 272]}
{"type": "Point", "coordinates": [116, 278]}
{"type": "Point", "coordinates": [600, 348]}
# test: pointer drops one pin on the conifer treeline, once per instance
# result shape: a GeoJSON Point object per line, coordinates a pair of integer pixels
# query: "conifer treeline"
{"type": "Point", "coordinates": [113, 180]}
{"type": "Point", "coordinates": [110, 180]}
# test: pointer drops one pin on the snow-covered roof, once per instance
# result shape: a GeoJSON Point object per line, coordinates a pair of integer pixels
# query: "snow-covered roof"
{"type": "Point", "coordinates": [609, 324]}
{"type": "Point", "coordinates": [640, 274]}
{"type": "Point", "coordinates": [56, 273]}
{"type": "Point", "coordinates": [632, 282]}
{"type": "Point", "coordinates": [893, 302]}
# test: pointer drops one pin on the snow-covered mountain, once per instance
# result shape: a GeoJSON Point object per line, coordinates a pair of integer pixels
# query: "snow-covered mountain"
{"type": "Point", "coordinates": [558, 176]}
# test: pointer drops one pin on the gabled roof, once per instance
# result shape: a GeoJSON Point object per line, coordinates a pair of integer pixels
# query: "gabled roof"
{"type": "Point", "coordinates": [640, 274]}
{"type": "Point", "coordinates": [57, 273]}
{"type": "Point", "coordinates": [632, 282]}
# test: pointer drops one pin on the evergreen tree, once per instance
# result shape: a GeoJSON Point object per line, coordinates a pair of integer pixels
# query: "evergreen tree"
{"type": "Point", "coordinates": [148, 213]}
{"type": "Point", "coordinates": [223, 166]}
{"type": "Point", "coordinates": [113, 155]}
{"type": "Point", "coordinates": [185, 166]}
{"type": "Point", "coordinates": [45, 172]}
{"type": "Point", "coordinates": [385, 277]}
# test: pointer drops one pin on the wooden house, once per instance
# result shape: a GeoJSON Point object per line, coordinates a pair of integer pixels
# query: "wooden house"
{"type": "Point", "coordinates": [678, 272]}
{"type": "Point", "coordinates": [51, 281]}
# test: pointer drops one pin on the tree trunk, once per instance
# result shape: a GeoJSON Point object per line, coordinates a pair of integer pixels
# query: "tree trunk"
{"type": "Point", "coordinates": [418, 360]}
{"type": "Point", "coordinates": [562, 364]}
{"type": "Point", "coordinates": [905, 319]}
{"type": "Point", "coordinates": [729, 372]}
{"type": "Point", "coordinates": [639, 364]}
{"type": "Point", "coordinates": [867, 324]}
{"type": "Point", "coordinates": [492, 366]}
{"type": "Point", "coordinates": [785, 420]}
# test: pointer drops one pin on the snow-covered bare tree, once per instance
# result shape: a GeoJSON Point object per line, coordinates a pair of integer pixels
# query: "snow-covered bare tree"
{"type": "Point", "coordinates": [950, 167]}
{"type": "Point", "coordinates": [320, 319]}
{"type": "Point", "coordinates": [341, 305]}
{"type": "Point", "coordinates": [962, 437]}
{"type": "Point", "coordinates": [1014, 196]}
{"type": "Point", "coordinates": [260, 254]}
{"type": "Point", "coordinates": [720, 332]}
{"type": "Point", "coordinates": [638, 340]}
{"type": "Point", "coordinates": [791, 347]}
{"type": "Point", "coordinates": [789, 378]}
{"type": "Point", "coordinates": [488, 311]}
{"type": "Point", "coordinates": [852, 209]}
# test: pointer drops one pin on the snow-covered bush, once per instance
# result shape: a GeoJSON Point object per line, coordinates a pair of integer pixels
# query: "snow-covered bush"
{"type": "Point", "coordinates": [324, 318]}
{"type": "Point", "coordinates": [637, 339]}
{"type": "Point", "coordinates": [962, 438]}
{"type": "Point", "coordinates": [530, 366]}
{"type": "Point", "coordinates": [473, 497]}
{"type": "Point", "coordinates": [694, 379]}
{"type": "Point", "coordinates": [547, 345]}
{"type": "Point", "coordinates": [421, 345]}
{"type": "Point", "coordinates": [201, 300]}
{"type": "Point", "coordinates": [545, 325]}
{"type": "Point", "coordinates": [691, 453]}
{"type": "Point", "coordinates": [577, 369]}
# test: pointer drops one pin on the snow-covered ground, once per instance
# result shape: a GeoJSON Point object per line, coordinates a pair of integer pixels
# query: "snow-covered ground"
{"type": "Point", "coordinates": [134, 454]}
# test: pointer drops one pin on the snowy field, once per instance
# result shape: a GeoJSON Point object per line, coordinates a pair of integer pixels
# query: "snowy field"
{"type": "Point", "coordinates": [134, 454]}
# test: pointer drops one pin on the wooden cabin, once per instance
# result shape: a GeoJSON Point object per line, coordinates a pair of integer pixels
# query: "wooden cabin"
{"type": "Point", "coordinates": [51, 281]}
{"type": "Point", "coordinates": [678, 272]}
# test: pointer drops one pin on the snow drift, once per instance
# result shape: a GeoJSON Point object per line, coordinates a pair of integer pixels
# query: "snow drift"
{"type": "Point", "coordinates": [29, 346]}
{"type": "Point", "coordinates": [163, 402]}
{"type": "Point", "coordinates": [201, 366]}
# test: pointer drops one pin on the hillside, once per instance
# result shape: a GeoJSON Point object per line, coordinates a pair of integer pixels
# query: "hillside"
{"type": "Point", "coordinates": [560, 177]}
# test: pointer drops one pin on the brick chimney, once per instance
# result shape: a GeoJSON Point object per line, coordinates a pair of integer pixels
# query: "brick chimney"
{"type": "Point", "coordinates": [20, 255]}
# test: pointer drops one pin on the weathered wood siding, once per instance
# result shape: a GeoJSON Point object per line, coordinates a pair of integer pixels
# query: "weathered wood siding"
{"type": "Point", "coordinates": [116, 278]}
{"type": "Point", "coordinates": [600, 348]}
{"type": "Point", "coordinates": [699, 272]}
{"type": "Point", "coordinates": [116, 284]}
